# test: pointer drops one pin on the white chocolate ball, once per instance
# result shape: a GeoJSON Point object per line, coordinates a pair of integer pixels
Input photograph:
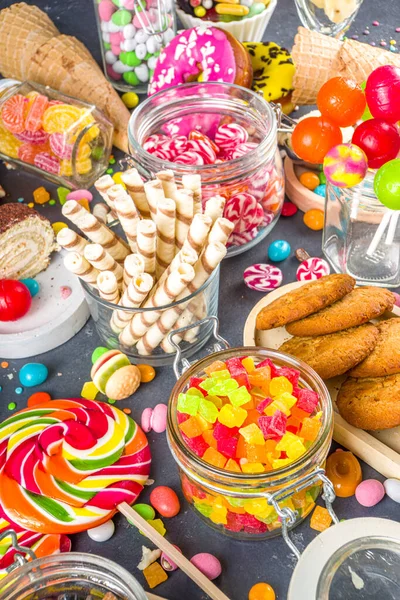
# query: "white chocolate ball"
{"type": "Point", "coordinates": [129, 31]}
{"type": "Point", "coordinates": [103, 532]}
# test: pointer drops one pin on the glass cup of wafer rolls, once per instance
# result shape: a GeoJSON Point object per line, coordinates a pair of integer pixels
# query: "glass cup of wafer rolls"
{"type": "Point", "coordinates": [246, 175]}
{"type": "Point", "coordinates": [159, 274]}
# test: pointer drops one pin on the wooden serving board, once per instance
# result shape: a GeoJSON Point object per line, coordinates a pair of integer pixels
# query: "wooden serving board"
{"type": "Point", "coordinates": [302, 197]}
{"type": "Point", "coordinates": [379, 449]}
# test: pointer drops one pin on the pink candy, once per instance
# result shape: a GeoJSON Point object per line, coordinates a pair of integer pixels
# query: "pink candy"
{"type": "Point", "coordinates": [262, 277]}
{"type": "Point", "coordinates": [79, 195]}
{"type": "Point", "coordinates": [60, 146]}
{"type": "Point", "coordinates": [154, 419]}
{"type": "Point", "coordinates": [230, 136]}
{"type": "Point", "coordinates": [203, 148]}
{"type": "Point", "coordinates": [47, 162]}
{"type": "Point", "coordinates": [33, 137]}
{"type": "Point", "coordinates": [106, 10]}
{"type": "Point", "coordinates": [243, 210]}
{"type": "Point", "coordinates": [370, 492]}
{"type": "Point", "coordinates": [243, 149]}
{"type": "Point", "coordinates": [312, 268]}
{"type": "Point", "coordinates": [208, 564]}
{"type": "Point", "coordinates": [153, 140]}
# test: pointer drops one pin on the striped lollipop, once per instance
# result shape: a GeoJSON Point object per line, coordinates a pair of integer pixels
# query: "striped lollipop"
{"type": "Point", "coordinates": [67, 464]}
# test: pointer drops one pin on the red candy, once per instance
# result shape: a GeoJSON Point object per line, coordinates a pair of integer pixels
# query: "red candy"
{"type": "Point", "coordinates": [383, 93]}
{"type": "Point", "coordinates": [47, 162]}
{"type": "Point", "coordinates": [13, 113]}
{"type": "Point", "coordinates": [60, 147]}
{"type": "Point", "coordinates": [39, 137]}
{"type": "Point", "coordinates": [227, 446]}
{"type": "Point", "coordinates": [190, 158]}
{"type": "Point", "coordinates": [313, 137]}
{"type": "Point", "coordinates": [243, 149]}
{"type": "Point", "coordinates": [153, 141]}
{"type": "Point", "coordinates": [203, 148]}
{"type": "Point", "coordinates": [165, 501]}
{"type": "Point", "coordinates": [289, 209]}
{"type": "Point", "coordinates": [230, 136]}
{"type": "Point", "coordinates": [273, 428]}
{"type": "Point", "coordinates": [238, 372]}
{"type": "Point", "coordinates": [15, 300]}
{"type": "Point", "coordinates": [379, 140]}
{"type": "Point", "coordinates": [307, 400]}
{"type": "Point", "coordinates": [33, 120]}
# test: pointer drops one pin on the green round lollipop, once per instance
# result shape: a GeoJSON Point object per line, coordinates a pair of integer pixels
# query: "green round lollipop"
{"type": "Point", "coordinates": [387, 184]}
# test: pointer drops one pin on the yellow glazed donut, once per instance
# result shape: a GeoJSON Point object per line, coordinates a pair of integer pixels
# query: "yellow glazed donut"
{"type": "Point", "coordinates": [273, 71]}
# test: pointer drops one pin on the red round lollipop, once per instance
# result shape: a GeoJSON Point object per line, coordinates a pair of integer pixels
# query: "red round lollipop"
{"type": "Point", "coordinates": [342, 101]}
{"type": "Point", "coordinates": [313, 137]}
{"type": "Point", "coordinates": [15, 299]}
{"type": "Point", "coordinates": [379, 140]}
{"type": "Point", "coordinates": [383, 93]}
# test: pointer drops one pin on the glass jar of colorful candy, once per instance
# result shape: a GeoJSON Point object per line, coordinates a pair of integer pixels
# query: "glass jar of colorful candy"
{"type": "Point", "coordinates": [55, 136]}
{"type": "Point", "coordinates": [227, 135]}
{"type": "Point", "coordinates": [76, 576]}
{"type": "Point", "coordinates": [250, 430]}
{"type": "Point", "coordinates": [132, 34]}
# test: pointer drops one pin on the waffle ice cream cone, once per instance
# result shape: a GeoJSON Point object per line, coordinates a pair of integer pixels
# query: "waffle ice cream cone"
{"type": "Point", "coordinates": [358, 60]}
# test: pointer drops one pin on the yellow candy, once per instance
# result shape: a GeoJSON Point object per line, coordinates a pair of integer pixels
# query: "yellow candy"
{"type": "Point", "coordinates": [158, 525]}
{"type": "Point", "coordinates": [199, 11]}
{"type": "Point", "coordinates": [57, 226]}
{"type": "Point", "coordinates": [60, 118]}
{"type": "Point", "coordinates": [258, 507]}
{"type": "Point", "coordinates": [8, 143]}
{"type": "Point", "coordinates": [89, 391]}
{"type": "Point", "coordinates": [248, 364]}
{"type": "Point", "coordinates": [286, 441]}
{"type": "Point", "coordinates": [295, 450]}
{"type": "Point", "coordinates": [232, 416]}
{"type": "Point", "coordinates": [130, 99]}
{"type": "Point", "coordinates": [232, 9]}
{"type": "Point", "coordinates": [84, 166]}
{"type": "Point", "coordinates": [252, 434]}
{"type": "Point", "coordinates": [117, 178]}
{"type": "Point", "coordinates": [276, 405]}
{"type": "Point", "coordinates": [287, 399]}
{"type": "Point", "coordinates": [280, 385]}
{"type": "Point", "coordinates": [218, 515]}
{"type": "Point", "coordinates": [281, 462]}
{"type": "Point", "coordinates": [252, 467]}
{"type": "Point", "coordinates": [66, 169]}
{"type": "Point", "coordinates": [84, 151]}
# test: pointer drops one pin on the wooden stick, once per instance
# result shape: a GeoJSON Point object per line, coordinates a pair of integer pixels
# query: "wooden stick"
{"type": "Point", "coordinates": [153, 597]}
{"type": "Point", "coordinates": [183, 563]}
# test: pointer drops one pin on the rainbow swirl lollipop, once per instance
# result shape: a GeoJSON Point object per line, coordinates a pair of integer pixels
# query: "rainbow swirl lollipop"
{"type": "Point", "coordinates": [67, 464]}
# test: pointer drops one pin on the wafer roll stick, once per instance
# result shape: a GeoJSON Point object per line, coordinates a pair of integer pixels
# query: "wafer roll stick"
{"type": "Point", "coordinates": [198, 233]}
{"type": "Point", "coordinates": [215, 207]}
{"type": "Point", "coordinates": [128, 217]}
{"type": "Point", "coordinates": [168, 183]}
{"type": "Point", "coordinates": [77, 264]}
{"type": "Point", "coordinates": [115, 190]}
{"type": "Point", "coordinates": [95, 231]}
{"type": "Point", "coordinates": [135, 187]}
{"type": "Point", "coordinates": [146, 244]}
{"type": "Point", "coordinates": [100, 211]}
{"type": "Point", "coordinates": [196, 310]}
{"type": "Point", "coordinates": [193, 183]}
{"type": "Point", "coordinates": [173, 286]}
{"type": "Point", "coordinates": [71, 241]}
{"type": "Point", "coordinates": [103, 261]}
{"type": "Point", "coordinates": [108, 287]}
{"type": "Point", "coordinates": [184, 215]}
{"type": "Point", "coordinates": [221, 231]}
{"type": "Point", "coordinates": [136, 292]}
{"type": "Point", "coordinates": [154, 194]}
{"type": "Point", "coordinates": [102, 185]}
{"type": "Point", "coordinates": [165, 222]}
{"type": "Point", "coordinates": [186, 255]}
{"type": "Point", "coordinates": [133, 265]}
{"type": "Point", "coordinates": [210, 259]}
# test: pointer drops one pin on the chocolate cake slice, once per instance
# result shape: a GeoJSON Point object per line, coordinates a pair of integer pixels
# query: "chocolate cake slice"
{"type": "Point", "coordinates": [26, 241]}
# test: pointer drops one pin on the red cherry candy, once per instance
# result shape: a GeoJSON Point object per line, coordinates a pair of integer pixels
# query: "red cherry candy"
{"type": "Point", "coordinates": [383, 93]}
{"type": "Point", "coordinates": [165, 501]}
{"type": "Point", "coordinates": [15, 300]}
{"type": "Point", "coordinates": [379, 140]}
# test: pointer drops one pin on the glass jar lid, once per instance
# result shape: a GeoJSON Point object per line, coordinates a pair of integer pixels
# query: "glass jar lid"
{"type": "Point", "coordinates": [354, 559]}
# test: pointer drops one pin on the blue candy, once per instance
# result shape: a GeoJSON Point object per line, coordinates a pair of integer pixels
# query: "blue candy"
{"type": "Point", "coordinates": [320, 190]}
{"type": "Point", "coordinates": [32, 286]}
{"type": "Point", "coordinates": [279, 250]}
{"type": "Point", "coordinates": [33, 374]}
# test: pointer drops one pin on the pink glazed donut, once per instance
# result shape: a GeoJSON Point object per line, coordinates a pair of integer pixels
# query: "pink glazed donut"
{"type": "Point", "coordinates": [202, 54]}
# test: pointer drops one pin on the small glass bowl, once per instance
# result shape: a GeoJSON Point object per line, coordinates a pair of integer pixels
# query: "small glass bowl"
{"type": "Point", "coordinates": [202, 303]}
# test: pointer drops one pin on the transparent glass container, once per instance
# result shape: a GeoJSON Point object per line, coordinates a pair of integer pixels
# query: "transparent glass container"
{"type": "Point", "coordinates": [200, 304]}
{"type": "Point", "coordinates": [259, 173]}
{"type": "Point", "coordinates": [57, 137]}
{"type": "Point", "coordinates": [132, 33]}
{"type": "Point", "coordinates": [291, 491]}
{"type": "Point", "coordinates": [70, 576]}
{"type": "Point", "coordinates": [327, 17]}
{"type": "Point", "coordinates": [361, 236]}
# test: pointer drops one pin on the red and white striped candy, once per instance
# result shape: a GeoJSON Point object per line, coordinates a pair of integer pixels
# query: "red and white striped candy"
{"type": "Point", "coordinates": [47, 162]}
{"type": "Point", "coordinates": [230, 136]}
{"type": "Point", "coordinates": [241, 210]}
{"type": "Point", "coordinates": [243, 149]}
{"type": "Point", "coordinates": [197, 135]}
{"type": "Point", "coordinates": [312, 268]}
{"type": "Point", "coordinates": [190, 158]}
{"type": "Point", "coordinates": [204, 148]}
{"type": "Point", "coordinates": [60, 147]}
{"type": "Point", "coordinates": [238, 239]}
{"type": "Point", "coordinates": [259, 216]}
{"type": "Point", "coordinates": [153, 141]}
{"type": "Point", "coordinates": [175, 145]}
{"type": "Point", "coordinates": [262, 277]}
{"type": "Point", "coordinates": [33, 137]}
{"type": "Point", "coordinates": [163, 153]}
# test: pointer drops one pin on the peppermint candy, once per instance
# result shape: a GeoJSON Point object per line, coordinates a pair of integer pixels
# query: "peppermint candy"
{"type": "Point", "coordinates": [230, 136]}
{"type": "Point", "coordinates": [197, 135]}
{"type": "Point", "coordinates": [162, 153]}
{"type": "Point", "coordinates": [312, 268]}
{"type": "Point", "coordinates": [204, 148]}
{"type": "Point", "coordinates": [242, 210]}
{"type": "Point", "coordinates": [47, 162]}
{"type": "Point", "coordinates": [153, 141]}
{"type": "Point", "coordinates": [190, 158]}
{"type": "Point", "coordinates": [60, 147]}
{"type": "Point", "coordinates": [262, 277]}
{"type": "Point", "coordinates": [243, 149]}
{"type": "Point", "coordinates": [238, 239]}
{"type": "Point", "coordinates": [33, 137]}
{"type": "Point", "coordinates": [175, 145]}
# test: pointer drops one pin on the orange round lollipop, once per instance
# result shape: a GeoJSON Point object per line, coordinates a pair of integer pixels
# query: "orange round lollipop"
{"type": "Point", "coordinates": [313, 137]}
{"type": "Point", "coordinates": [344, 470]}
{"type": "Point", "coordinates": [342, 101]}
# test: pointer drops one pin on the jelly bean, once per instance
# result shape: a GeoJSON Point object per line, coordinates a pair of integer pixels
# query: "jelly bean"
{"type": "Point", "coordinates": [147, 373]}
{"type": "Point", "coordinates": [369, 492]}
{"type": "Point", "coordinates": [32, 286]}
{"type": "Point", "coordinates": [262, 591]}
{"type": "Point", "coordinates": [309, 179]}
{"type": "Point", "coordinates": [145, 510]}
{"type": "Point", "coordinates": [103, 532]}
{"type": "Point", "coordinates": [130, 99]}
{"type": "Point", "coordinates": [279, 250]}
{"type": "Point", "coordinates": [33, 374]}
{"type": "Point", "coordinates": [79, 194]}
{"type": "Point", "coordinates": [208, 564]}
{"type": "Point", "coordinates": [15, 300]}
{"type": "Point", "coordinates": [154, 419]}
{"type": "Point", "coordinates": [165, 501]}
{"type": "Point", "coordinates": [320, 190]}
{"type": "Point", "coordinates": [97, 352]}
{"type": "Point", "coordinates": [344, 471]}
{"type": "Point", "coordinates": [314, 219]}
{"type": "Point", "coordinates": [392, 488]}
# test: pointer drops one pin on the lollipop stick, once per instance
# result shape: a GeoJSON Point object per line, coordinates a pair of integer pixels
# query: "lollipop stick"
{"type": "Point", "coordinates": [153, 597]}
{"type": "Point", "coordinates": [183, 563]}
{"type": "Point", "coordinates": [392, 227]}
{"type": "Point", "coordinates": [379, 234]}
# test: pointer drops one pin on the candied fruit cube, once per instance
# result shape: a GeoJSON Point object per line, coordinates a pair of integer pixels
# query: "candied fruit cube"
{"type": "Point", "coordinates": [256, 453]}
{"type": "Point", "coordinates": [277, 405]}
{"type": "Point", "coordinates": [220, 375]}
{"type": "Point", "coordinates": [233, 524]}
{"type": "Point", "coordinates": [241, 448]}
{"type": "Point", "coordinates": [307, 400]}
{"type": "Point", "coordinates": [252, 467]}
{"type": "Point", "coordinates": [310, 429]}
{"type": "Point", "coordinates": [275, 428]}
{"type": "Point", "coordinates": [227, 447]}
{"type": "Point", "coordinates": [252, 434]}
{"type": "Point", "coordinates": [261, 406]}
{"type": "Point", "coordinates": [181, 417]}
{"type": "Point", "coordinates": [218, 515]}
{"type": "Point", "coordinates": [261, 378]}
{"type": "Point", "coordinates": [191, 428]}
{"type": "Point", "coordinates": [252, 417]}
{"type": "Point", "coordinates": [240, 396]}
{"type": "Point", "coordinates": [215, 400]}
{"type": "Point", "coordinates": [232, 465]}
{"type": "Point", "coordinates": [154, 575]}
{"type": "Point", "coordinates": [194, 382]}
{"type": "Point", "coordinates": [209, 438]}
{"type": "Point", "coordinates": [203, 424]}
{"type": "Point", "coordinates": [286, 441]}
{"type": "Point", "coordinates": [188, 403]}
{"type": "Point", "coordinates": [238, 372]}
{"type": "Point", "coordinates": [288, 399]}
{"type": "Point", "coordinates": [222, 431]}
{"type": "Point", "coordinates": [291, 374]}
{"type": "Point", "coordinates": [279, 463]}
{"type": "Point", "coordinates": [280, 385]}
{"type": "Point", "coordinates": [196, 444]}
{"type": "Point", "coordinates": [259, 507]}
{"type": "Point", "coordinates": [232, 416]}
{"type": "Point", "coordinates": [41, 195]}
{"type": "Point", "coordinates": [208, 410]}
{"type": "Point", "coordinates": [207, 384]}
{"type": "Point", "coordinates": [251, 524]}
{"type": "Point", "coordinates": [248, 364]}
{"type": "Point", "coordinates": [203, 507]}
{"type": "Point", "coordinates": [89, 390]}
{"type": "Point", "coordinates": [321, 519]}
{"type": "Point", "coordinates": [296, 449]}
{"type": "Point", "coordinates": [250, 405]}
{"type": "Point", "coordinates": [217, 365]}
{"type": "Point", "coordinates": [215, 458]}
{"type": "Point", "coordinates": [222, 388]}
{"type": "Point", "coordinates": [268, 363]}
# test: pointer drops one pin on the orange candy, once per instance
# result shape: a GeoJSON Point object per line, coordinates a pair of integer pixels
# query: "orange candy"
{"type": "Point", "coordinates": [41, 195]}
{"type": "Point", "coordinates": [262, 591]}
{"type": "Point", "coordinates": [310, 429]}
{"type": "Point", "coordinates": [191, 428]}
{"type": "Point", "coordinates": [215, 458]}
{"type": "Point", "coordinates": [13, 113]}
{"type": "Point", "coordinates": [321, 519]}
{"type": "Point", "coordinates": [154, 575]}
{"type": "Point", "coordinates": [309, 179]}
{"type": "Point", "coordinates": [217, 365]}
{"type": "Point", "coordinates": [344, 470]}
{"type": "Point", "coordinates": [147, 373]}
{"type": "Point", "coordinates": [38, 398]}
{"type": "Point", "coordinates": [209, 438]}
{"type": "Point", "coordinates": [314, 219]}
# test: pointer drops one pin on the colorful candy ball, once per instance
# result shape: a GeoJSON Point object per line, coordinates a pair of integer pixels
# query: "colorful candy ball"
{"type": "Point", "coordinates": [313, 137]}
{"type": "Point", "coordinates": [383, 93]}
{"type": "Point", "coordinates": [33, 374]}
{"type": "Point", "coordinates": [314, 219]}
{"type": "Point", "coordinates": [312, 268]}
{"type": "Point", "coordinates": [369, 492]}
{"type": "Point", "coordinates": [279, 250]}
{"type": "Point", "coordinates": [15, 300]}
{"type": "Point", "coordinates": [165, 501]}
{"type": "Point", "coordinates": [262, 591]}
{"type": "Point", "coordinates": [345, 165]}
{"type": "Point", "coordinates": [309, 179]}
{"type": "Point", "coordinates": [342, 101]}
{"type": "Point", "coordinates": [208, 564]}
{"type": "Point", "coordinates": [387, 184]}
{"type": "Point", "coordinates": [379, 140]}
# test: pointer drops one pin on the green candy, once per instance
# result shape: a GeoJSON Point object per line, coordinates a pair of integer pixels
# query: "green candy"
{"type": "Point", "coordinates": [256, 9]}
{"type": "Point", "coordinates": [62, 193]}
{"type": "Point", "coordinates": [188, 404]}
{"type": "Point", "coordinates": [121, 18]}
{"type": "Point", "coordinates": [145, 510]}
{"type": "Point", "coordinates": [204, 509]}
{"type": "Point", "coordinates": [130, 59]}
{"type": "Point", "coordinates": [221, 375]}
{"type": "Point", "coordinates": [107, 45]}
{"type": "Point", "coordinates": [207, 384]}
{"type": "Point", "coordinates": [208, 411]}
{"type": "Point", "coordinates": [239, 396]}
{"type": "Point", "coordinates": [131, 78]}
{"type": "Point", "coordinates": [387, 184]}
{"type": "Point", "coordinates": [223, 388]}
{"type": "Point", "coordinates": [97, 352]}
{"type": "Point", "coordinates": [97, 153]}
{"type": "Point", "coordinates": [118, 3]}
{"type": "Point", "coordinates": [322, 178]}
{"type": "Point", "coordinates": [148, 55]}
